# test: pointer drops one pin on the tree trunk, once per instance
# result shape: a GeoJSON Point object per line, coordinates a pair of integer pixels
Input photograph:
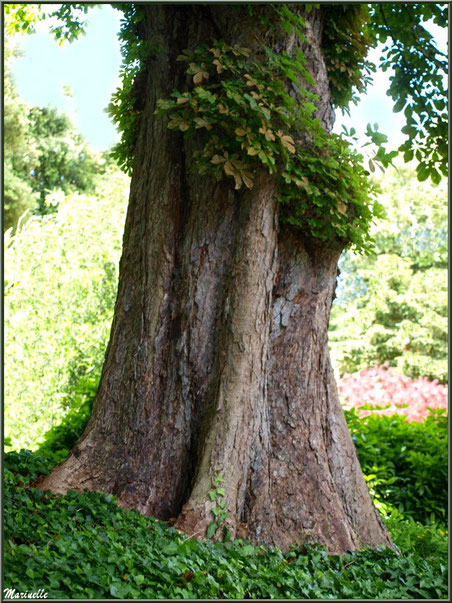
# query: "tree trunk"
{"type": "Point", "coordinates": [218, 361]}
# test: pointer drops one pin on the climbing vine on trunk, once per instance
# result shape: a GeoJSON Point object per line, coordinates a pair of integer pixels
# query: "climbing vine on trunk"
{"type": "Point", "coordinates": [259, 110]}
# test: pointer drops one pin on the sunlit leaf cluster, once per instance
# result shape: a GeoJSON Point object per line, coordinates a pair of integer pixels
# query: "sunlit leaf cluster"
{"type": "Point", "coordinates": [419, 80]}
{"type": "Point", "coordinates": [21, 18]}
{"type": "Point", "coordinates": [61, 274]}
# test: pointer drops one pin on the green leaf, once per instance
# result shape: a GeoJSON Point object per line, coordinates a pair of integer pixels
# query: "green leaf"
{"type": "Point", "coordinates": [422, 172]}
{"type": "Point", "coordinates": [211, 529]}
{"type": "Point", "coordinates": [399, 105]}
{"type": "Point", "coordinates": [248, 549]}
{"type": "Point", "coordinates": [408, 155]}
{"type": "Point", "coordinates": [171, 548]}
{"type": "Point", "coordinates": [435, 176]}
{"type": "Point", "coordinates": [250, 100]}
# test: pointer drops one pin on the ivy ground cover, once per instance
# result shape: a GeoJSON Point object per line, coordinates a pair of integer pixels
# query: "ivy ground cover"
{"type": "Point", "coordinates": [85, 546]}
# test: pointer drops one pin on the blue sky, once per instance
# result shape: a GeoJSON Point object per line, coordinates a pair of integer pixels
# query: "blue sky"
{"type": "Point", "coordinates": [90, 68]}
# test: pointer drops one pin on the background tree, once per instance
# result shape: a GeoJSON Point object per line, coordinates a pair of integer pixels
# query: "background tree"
{"type": "Point", "coordinates": [218, 365]}
{"type": "Point", "coordinates": [385, 310]}
{"type": "Point", "coordinates": [20, 156]}
{"type": "Point", "coordinates": [43, 153]}
{"type": "Point", "coordinates": [64, 160]}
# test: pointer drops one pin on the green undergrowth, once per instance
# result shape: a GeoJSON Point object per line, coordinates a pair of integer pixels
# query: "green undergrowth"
{"type": "Point", "coordinates": [85, 546]}
{"type": "Point", "coordinates": [58, 440]}
{"type": "Point", "coordinates": [405, 464]}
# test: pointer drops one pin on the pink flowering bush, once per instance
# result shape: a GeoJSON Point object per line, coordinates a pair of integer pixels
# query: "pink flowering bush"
{"type": "Point", "coordinates": [390, 393]}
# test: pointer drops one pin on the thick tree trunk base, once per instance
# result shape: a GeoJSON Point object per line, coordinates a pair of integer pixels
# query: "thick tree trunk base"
{"type": "Point", "coordinates": [218, 361]}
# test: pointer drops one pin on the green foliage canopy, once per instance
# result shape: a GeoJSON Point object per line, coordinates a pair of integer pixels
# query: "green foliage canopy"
{"type": "Point", "coordinates": [419, 80]}
{"type": "Point", "coordinates": [64, 160]}
{"type": "Point", "coordinates": [405, 464]}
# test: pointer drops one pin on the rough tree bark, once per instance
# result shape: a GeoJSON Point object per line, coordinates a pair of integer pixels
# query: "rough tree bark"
{"type": "Point", "coordinates": [218, 358]}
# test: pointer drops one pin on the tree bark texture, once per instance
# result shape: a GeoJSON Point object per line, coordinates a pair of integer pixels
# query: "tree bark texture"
{"type": "Point", "coordinates": [218, 360]}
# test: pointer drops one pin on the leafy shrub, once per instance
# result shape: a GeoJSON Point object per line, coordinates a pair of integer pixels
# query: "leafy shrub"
{"type": "Point", "coordinates": [60, 288]}
{"type": "Point", "coordinates": [426, 541]}
{"type": "Point", "coordinates": [380, 390]}
{"type": "Point", "coordinates": [405, 464]}
{"type": "Point", "coordinates": [59, 440]}
{"type": "Point", "coordinates": [85, 546]}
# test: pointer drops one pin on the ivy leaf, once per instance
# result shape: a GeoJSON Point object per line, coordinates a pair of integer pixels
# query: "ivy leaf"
{"type": "Point", "coordinates": [247, 178]}
{"type": "Point", "coordinates": [342, 208]}
{"type": "Point", "coordinates": [202, 123]}
{"type": "Point", "coordinates": [211, 529]}
{"type": "Point", "coordinates": [218, 65]}
{"type": "Point", "coordinates": [286, 141]}
{"type": "Point", "coordinates": [241, 131]}
{"type": "Point", "coordinates": [185, 56]}
{"type": "Point", "coordinates": [178, 121]}
{"type": "Point", "coordinates": [267, 132]}
{"type": "Point", "coordinates": [216, 52]}
{"type": "Point", "coordinates": [199, 73]}
{"type": "Point", "coordinates": [254, 150]}
{"type": "Point", "coordinates": [164, 104]}
{"type": "Point", "coordinates": [251, 100]}
{"type": "Point", "coordinates": [238, 181]}
{"type": "Point", "coordinates": [229, 168]}
{"type": "Point", "coordinates": [171, 548]}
